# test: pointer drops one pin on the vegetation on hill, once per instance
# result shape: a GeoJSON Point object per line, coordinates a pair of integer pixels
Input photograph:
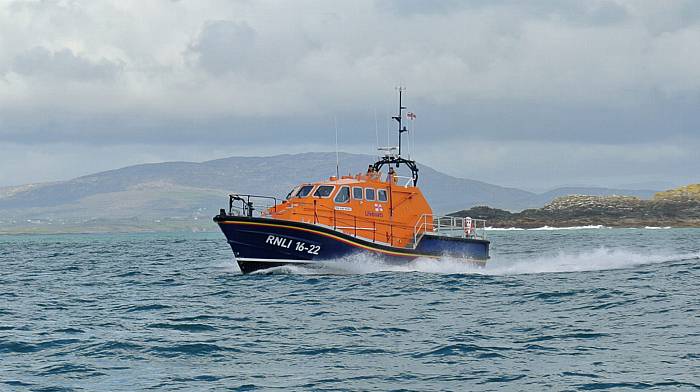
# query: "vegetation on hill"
{"type": "Point", "coordinates": [684, 193]}
{"type": "Point", "coordinates": [678, 207]}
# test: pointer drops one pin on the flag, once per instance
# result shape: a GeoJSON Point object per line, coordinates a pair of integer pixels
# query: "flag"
{"type": "Point", "coordinates": [411, 115]}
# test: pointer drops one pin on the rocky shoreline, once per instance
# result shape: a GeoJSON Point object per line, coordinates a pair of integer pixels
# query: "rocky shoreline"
{"type": "Point", "coordinates": [674, 208]}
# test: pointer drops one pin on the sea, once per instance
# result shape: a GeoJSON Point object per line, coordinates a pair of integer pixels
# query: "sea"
{"type": "Point", "coordinates": [583, 309]}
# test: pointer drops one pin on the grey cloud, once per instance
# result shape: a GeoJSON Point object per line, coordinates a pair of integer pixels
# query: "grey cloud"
{"type": "Point", "coordinates": [417, 7]}
{"type": "Point", "coordinates": [598, 12]}
{"type": "Point", "coordinates": [603, 13]}
{"type": "Point", "coordinates": [230, 47]}
{"type": "Point", "coordinates": [651, 119]}
{"type": "Point", "coordinates": [63, 64]}
{"type": "Point", "coordinates": [224, 46]}
{"type": "Point", "coordinates": [654, 120]}
{"type": "Point", "coordinates": [616, 73]}
{"type": "Point", "coordinates": [667, 19]}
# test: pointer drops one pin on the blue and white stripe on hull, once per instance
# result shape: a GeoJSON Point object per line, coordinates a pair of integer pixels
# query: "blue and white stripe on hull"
{"type": "Point", "coordinates": [264, 243]}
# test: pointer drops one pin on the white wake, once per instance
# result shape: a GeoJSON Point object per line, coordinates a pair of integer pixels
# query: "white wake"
{"type": "Point", "coordinates": [594, 260]}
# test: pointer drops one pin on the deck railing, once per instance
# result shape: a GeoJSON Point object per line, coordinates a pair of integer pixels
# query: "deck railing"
{"type": "Point", "coordinates": [250, 205]}
{"type": "Point", "coordinates": [450, 226]}
{"type": "Point", "coordinates": [319, 214]}
{"type": "Point", "coordinates": [316, 213]}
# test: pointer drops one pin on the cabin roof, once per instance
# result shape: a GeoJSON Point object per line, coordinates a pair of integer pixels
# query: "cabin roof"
{"type": "Point", "coordinates": [344, 181]}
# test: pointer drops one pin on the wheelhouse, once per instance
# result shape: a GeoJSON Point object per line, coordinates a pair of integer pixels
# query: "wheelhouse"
{"type": "Point", "coordinates": [378, 212]}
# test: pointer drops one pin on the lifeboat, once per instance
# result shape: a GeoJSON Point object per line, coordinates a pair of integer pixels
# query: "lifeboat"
{"type": "Point", "coordinates": [377, 213]}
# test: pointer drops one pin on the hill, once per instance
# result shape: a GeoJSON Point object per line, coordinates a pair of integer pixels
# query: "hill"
{"type": "Point", "coordinates": [676, 208]}
{"type": "Point", "coordinates": [184, 195]}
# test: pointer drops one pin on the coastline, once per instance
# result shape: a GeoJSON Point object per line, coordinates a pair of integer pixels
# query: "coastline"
{"type": "Point", "coordinates": [677, 211]}
{"type": "Point", "coordinates": [492, 227]}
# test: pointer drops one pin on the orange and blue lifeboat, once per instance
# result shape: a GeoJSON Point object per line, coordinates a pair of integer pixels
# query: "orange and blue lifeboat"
{"type": "Point", "coordinates": [382, 215]}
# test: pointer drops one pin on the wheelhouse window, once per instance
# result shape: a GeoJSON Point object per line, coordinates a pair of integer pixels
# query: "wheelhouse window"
{"type": "Point", "coordinates": [292, 193]}
{"type": "Point", "coordinates": [357, 193]}
{"type": "Point", "coordinates": [304, 191]}
{"type": "Point", "coordinates": [343, 195]}
{"type": "Point", "coordinates": [381, 195]}
{"type": "Point", "coordinates": [324, 191]}
{"type": "Point", "coordinates": [369, 194]}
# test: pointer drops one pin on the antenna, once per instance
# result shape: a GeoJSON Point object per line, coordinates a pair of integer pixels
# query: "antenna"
{"type": "Point", "coordinates": [399, 116]}
{"type": "Point", "coordinates": [337, 155]}
{"type": "Point", "coordinates": [388, 138]}
{"type": "Point", "coordinates": [376, 127]}
{"type": "Point", "coordinates": [407, 147]}
{"type": "Point", "coordinates": [413, 135]}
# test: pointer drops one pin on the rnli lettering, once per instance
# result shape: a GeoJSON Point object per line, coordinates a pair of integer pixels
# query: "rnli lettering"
{"type": "Point", "coordinates": [287, 243]}
{"type": "Point", "coordinates": [374, 214]}
{"type": "Point", "coordinates": [279, 241]}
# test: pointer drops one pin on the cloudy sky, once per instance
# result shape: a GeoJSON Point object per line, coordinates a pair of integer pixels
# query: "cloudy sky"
{"type": "Point", "coordinates": [533, 94]}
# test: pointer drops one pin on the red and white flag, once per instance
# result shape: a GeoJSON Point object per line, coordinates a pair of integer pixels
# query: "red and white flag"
{"type": "Point", "coordinates": [411, 115]}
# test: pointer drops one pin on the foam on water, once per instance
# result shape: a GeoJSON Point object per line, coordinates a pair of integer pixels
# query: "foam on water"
{"type": "Point", "coordinates": [587, 227]}
{"type": "Point", "coordinates": [547, 228]}
{"type": "Point", "coordinates": [228, 266]}
{"type": "Point", "coordinates": [595, 260]}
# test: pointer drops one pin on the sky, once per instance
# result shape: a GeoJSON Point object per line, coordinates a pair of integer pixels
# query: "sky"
{"type": "Point", "coordinates": [533, 94]}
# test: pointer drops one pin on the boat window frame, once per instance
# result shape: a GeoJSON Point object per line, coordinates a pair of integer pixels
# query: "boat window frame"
{"type": "Point", "coordinates": [318, 188]}
{"type": "Point", "coordinates": [386, 195]}
{"type": "Point", "coordinates": [335, 198]}
{"type": "Point", "coordinates": [362, 193]}
{"type": "Point", "coordinates": [308, 193]}
{"type": "Point", "coordinates": [374, 194]}
{"type": "Point", "coordinates": [293, 193]}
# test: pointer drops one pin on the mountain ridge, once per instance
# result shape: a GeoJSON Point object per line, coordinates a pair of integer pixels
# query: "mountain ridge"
{"type": "Point", "coordinates": [151, 191]}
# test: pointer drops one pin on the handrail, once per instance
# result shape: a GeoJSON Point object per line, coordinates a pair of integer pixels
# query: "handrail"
{"type": "Point", "coordinates": [408, 182]}
{"type": "Point", "coordinates": [342, 220]}
{"type": "Point", "coordinates": [342, 216]}
{"type": "Point", "coordinates": [358, 226]}
{"type": "Point", "coordinates": [451, 226]}
{"type": "Point", "coordinates": [248, 205]}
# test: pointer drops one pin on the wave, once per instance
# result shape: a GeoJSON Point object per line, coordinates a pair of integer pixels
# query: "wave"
{"type": "Point", "coordinates": [572, 227]}
{"type": "Point", "coordinates": [587, 227]}
{"type": "Point", "coordinates": [593, 260]}
{"type": "Point", "coordinates": [184, 327]}
{"type": "Point", "coordinates": [190, 349]}
{"type": "Point", "coordinates": [547, 228]}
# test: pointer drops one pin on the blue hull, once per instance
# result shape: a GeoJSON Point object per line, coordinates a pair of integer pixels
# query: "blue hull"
{"type": "Point", "coordinates": [260, 243]}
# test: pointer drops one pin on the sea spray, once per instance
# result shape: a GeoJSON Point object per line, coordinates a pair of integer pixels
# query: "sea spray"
{"type": "Point", "coordinates": [594, 260]}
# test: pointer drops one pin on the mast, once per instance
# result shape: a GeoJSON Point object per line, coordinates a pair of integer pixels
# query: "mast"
{"type": "Point", "coordinates": [390, 158]}
{"type": "Point", "coordinates": [399, 117]}
{"type": "Point", "coordinates": [337, 155]}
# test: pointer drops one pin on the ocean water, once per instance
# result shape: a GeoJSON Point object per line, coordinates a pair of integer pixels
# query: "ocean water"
{"type": "Point", "coordinates": [565, 310]}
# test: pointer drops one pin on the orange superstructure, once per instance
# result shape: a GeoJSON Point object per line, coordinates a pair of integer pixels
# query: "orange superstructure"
{"type": "Point", "coordinates": [385, 209]}
{"type": "Point", "coordinates": [377, 214]}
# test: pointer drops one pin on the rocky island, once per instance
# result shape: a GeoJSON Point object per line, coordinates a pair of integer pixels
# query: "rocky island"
{"type": "Point", "coordinates": [678, 207]}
